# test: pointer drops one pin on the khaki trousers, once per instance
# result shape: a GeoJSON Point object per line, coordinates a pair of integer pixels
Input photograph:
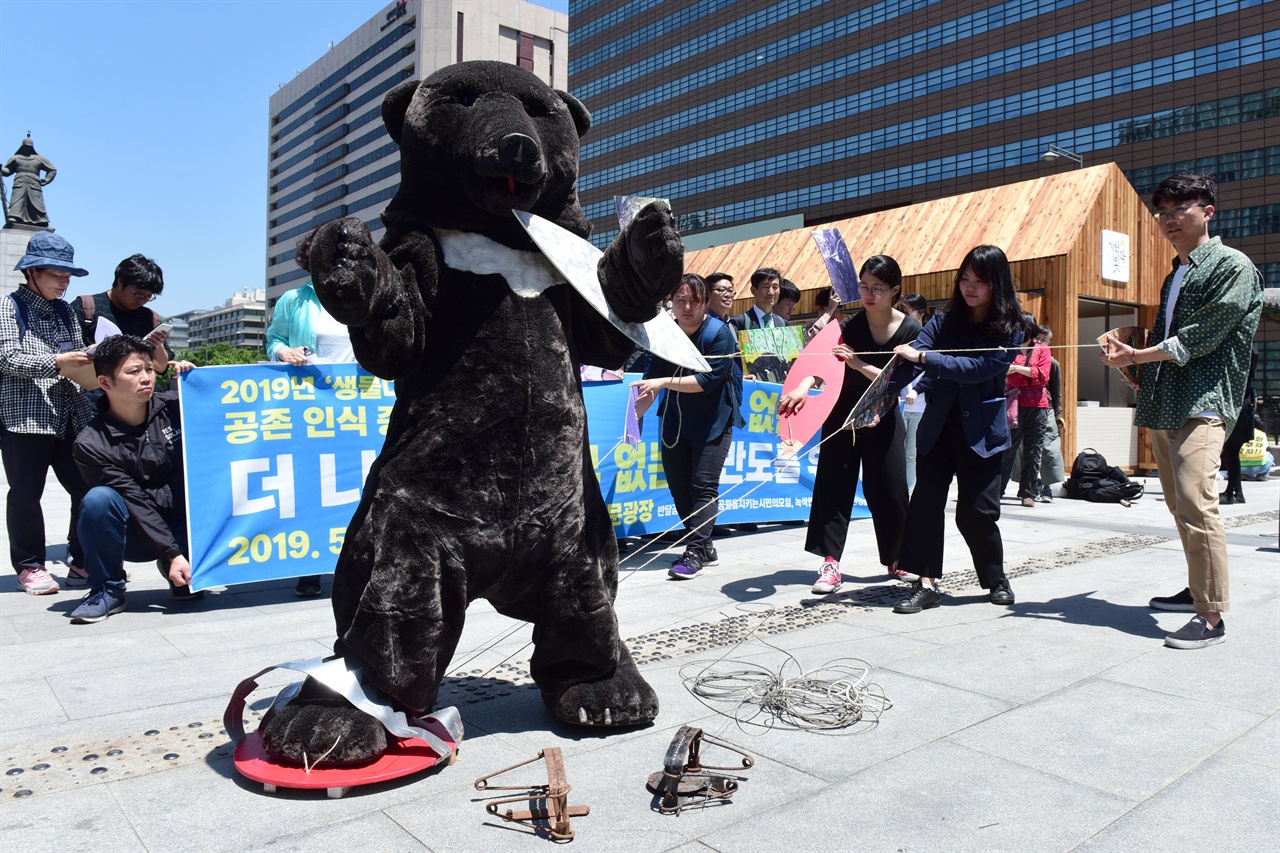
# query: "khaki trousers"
{"type": "Point", "coordinates": [1188, 460]}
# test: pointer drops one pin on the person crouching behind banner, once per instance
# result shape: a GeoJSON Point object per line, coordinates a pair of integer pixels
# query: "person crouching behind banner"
{"type": "Point", "coordinates": [965, 429]}
{"type": "Point", "coordinates": [130, 456]}
{"type": "Point", "coordinates": [878, 449]}
{"type": "Point", "coordinates": [697, 415]}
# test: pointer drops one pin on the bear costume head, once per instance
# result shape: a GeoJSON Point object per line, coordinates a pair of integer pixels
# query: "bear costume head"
{"type": "Point", "coordinates": [480, 139]}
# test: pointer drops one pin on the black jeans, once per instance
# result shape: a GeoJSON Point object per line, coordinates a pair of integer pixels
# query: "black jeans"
{"type": "Point", "coordinates": [977, 513]}
{"type": "Point", "coordinates": [1032, 432]}
{"type": "Point", "coordinates": [1240, 435]}
{"type": "Point", "coordinates": [880, 453]}
{"type": "Point", "coordinates": [27, 460]}
{"type": "Point", "coordinates": [693, 477]}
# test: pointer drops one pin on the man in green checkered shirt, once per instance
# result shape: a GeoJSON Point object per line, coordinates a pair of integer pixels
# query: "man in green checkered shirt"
{"type": "Point", "coordinates": [1192, 390]}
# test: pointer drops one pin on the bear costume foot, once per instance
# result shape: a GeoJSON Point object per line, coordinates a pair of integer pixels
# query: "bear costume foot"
{"type": "Point", "coordinates": [621, 699]}
{"type": "Point", "coordinates": [318, 728]}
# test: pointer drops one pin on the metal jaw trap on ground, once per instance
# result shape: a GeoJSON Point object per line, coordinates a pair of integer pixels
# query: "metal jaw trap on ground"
{"type": "Point", "coordinates": [549, 802]}
{"type": "Point", "coordinates": [683, 780]}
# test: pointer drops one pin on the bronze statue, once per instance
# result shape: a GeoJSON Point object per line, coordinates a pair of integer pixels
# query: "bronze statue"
{"type": "Point", "coordinates": [27, 205]}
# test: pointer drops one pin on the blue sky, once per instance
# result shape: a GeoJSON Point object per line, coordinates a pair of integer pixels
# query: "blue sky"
{"type": "Point", "coordinates": [155, 115]}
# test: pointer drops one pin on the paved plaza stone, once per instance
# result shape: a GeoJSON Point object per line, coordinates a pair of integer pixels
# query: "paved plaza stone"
{"type": "Point", "coordinates": [1059, 723]}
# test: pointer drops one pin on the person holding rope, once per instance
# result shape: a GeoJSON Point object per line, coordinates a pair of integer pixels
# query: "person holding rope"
{"type": "Point", "coordinates": [867, 342]}
{"type": "Point", "coordinates": [1192, 390]}
{"type": "Point", "coordinates": [965, 355]}
{"type": "Point", "coordinates": [698, 415]}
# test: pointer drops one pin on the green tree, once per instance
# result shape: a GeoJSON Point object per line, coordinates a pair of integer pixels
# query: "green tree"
{"type": "Point", "coordinates": [220, 353]}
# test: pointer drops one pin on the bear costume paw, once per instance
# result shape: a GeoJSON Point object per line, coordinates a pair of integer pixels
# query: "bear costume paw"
{"type": "Point", "coordinates": [318, 728]}
{"type": "Point", "coordinates": [621, 699]}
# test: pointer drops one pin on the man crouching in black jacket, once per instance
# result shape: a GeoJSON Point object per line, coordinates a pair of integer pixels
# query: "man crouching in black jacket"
{"type": "Point", "coordinates": [130, 455]}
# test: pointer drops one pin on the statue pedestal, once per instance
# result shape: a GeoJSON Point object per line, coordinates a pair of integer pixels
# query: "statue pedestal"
{"type": "Point", "coordinates": [13, 245]}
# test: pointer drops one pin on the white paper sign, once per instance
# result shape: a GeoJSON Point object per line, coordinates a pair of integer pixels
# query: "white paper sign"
{"type": "Point", "coordinates": [1115, 256]}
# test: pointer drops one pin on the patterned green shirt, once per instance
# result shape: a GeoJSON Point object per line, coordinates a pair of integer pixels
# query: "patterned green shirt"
{"type": "Point", "coordinates": [1208, 342]}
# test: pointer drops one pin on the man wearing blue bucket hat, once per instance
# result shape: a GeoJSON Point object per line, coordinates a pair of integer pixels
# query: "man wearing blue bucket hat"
{"type": "Point", "coordinates": [41, 408]}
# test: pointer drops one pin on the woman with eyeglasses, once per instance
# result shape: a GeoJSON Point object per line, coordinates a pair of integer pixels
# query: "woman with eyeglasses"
{"type": "Point", "coordinates": [965, 354]}
{"type": "Point", "coordinates": [867, 342]}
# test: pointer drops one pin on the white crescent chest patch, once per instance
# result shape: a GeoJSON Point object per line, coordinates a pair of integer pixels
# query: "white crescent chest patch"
{"type": "Point", "coordinates": [526, 273]}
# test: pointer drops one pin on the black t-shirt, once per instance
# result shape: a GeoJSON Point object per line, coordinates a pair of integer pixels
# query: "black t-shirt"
{"type": "Point", "coordinates": [855, 332]}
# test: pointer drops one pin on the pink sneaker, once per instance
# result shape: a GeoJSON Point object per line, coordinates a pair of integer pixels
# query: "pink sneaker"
{"type": "Point", "coordinates": [77, 578]}
{"type": "Point", "coordinates": [896, 573]}
{"type": "Point", "coordinates": [829, 578]}
{"type": "Point", "coordinates": [37, 581]}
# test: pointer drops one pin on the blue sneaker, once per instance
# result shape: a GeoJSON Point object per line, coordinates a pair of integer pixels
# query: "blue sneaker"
{"type": "Point", "coordinates": [687, 567]}
{"type": "Point", "coordinates": [97, 606]}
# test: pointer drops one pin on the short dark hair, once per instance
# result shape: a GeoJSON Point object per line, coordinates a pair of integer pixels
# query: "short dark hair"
{"type": "Point", "coordinates": [717, 277]}
{"type": "Point", "coordinates": [697, 287]}
{"type": "Point", "coordinates": [762, 275]}
{"type": "Point", "coordinates": [1184, 187]}
{"type": "Point", "coordinates": [1046, 331]}
{"type": "Point", "coordinates": [914, 301]}
{"type": "Point", "coordinates": [113, 351]}
{"type": "Point", "coordinates": [789, 291]}
{"type": "Point", "coordinates": [823, 298]}
{"type": "Point", "coordinates": [140, 272]}
{"type": "Point", "coordinates": [884, 268]}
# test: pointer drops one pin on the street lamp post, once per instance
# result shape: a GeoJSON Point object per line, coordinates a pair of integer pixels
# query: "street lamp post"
{"type": "Point", "coordinates": [1055, 153]}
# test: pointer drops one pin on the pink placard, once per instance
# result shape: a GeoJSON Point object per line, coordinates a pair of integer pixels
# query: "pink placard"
{"type": "Point", "coordinates": [816, 360]}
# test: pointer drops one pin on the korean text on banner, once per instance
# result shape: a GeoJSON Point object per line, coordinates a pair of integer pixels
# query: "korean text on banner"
{"type": "Point", "coordinates": [757, 484]}
{"type": "Point", "coordinates": [276, 458]}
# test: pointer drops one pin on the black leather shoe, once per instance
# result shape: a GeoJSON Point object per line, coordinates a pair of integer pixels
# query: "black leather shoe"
{"type": "Point", "coordinates": [1001, 593]}
{"type": "Point", "coordinates": [1230, 497]}
{"type": "Point", "coordinates": [921, 598]}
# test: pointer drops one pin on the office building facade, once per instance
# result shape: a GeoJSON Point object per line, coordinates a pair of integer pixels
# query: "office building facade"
{"type": "Point", "coordinates": [329, 155]}
{"type": "Point", "coordinates": [805, 111]}
{"type": "Point", "coordinates": [240, 321]}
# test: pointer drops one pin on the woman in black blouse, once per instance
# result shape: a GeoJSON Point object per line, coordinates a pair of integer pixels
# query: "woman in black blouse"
{"type": "Point", "coordinates": [878, 450]}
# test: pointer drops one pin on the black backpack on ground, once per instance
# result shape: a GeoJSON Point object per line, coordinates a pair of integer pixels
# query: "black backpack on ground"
{"type": "Point", "coordinates": [1092, 479]}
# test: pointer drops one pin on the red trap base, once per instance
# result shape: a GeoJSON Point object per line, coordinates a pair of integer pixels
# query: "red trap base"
{"type": "Point", "coordinates": [404, 757]}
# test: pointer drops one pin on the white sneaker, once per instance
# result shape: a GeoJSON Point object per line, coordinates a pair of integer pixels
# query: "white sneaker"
{"type": "Point", "coordinates": [829, 579]}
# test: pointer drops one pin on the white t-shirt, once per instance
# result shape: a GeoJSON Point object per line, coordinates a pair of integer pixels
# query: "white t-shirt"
{"type": "Point", "coordinates": [1175, 290]}
{"type": "Point", "coordinates": [333, 343]}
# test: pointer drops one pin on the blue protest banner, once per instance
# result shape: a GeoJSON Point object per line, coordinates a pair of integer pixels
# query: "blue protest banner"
{"type": "Point", "coordinates": [758, 483]}
{"type": "Point", "coordinates": [276, 457]}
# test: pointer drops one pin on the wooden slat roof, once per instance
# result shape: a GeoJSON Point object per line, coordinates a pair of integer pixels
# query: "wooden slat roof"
{"type": "Point", "coordinates": [1040, 218]}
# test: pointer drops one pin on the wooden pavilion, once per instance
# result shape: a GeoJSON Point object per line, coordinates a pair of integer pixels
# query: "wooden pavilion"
{"type": "Point", "coordinates": [1058, 232]}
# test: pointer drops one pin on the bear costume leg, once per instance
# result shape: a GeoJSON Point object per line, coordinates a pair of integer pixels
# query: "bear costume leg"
{"type": "Point", "coordinates": [584, 670]}
{"type": "Point", "coordinates": [401, 618]}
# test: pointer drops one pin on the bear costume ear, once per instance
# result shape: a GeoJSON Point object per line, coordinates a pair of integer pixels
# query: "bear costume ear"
{"type": "Point", "coordinates": [395, 105]}
{"type": "Point", "coordinates": [581, 116]}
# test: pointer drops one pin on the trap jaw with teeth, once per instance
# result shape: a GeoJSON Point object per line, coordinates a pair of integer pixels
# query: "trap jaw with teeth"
{"type": "Point", "coordinates": [683, 778]}
{"type": "Point", "coordinates": [549, 802]}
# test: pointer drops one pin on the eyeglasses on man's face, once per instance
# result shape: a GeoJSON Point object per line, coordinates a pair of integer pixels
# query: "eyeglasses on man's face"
{"type": "Point", "coordinates": [144, 295]}
{"type": "Point", "coordinates": [723, 291]}
{"type": "Point", "coordinates": [1169, 214]}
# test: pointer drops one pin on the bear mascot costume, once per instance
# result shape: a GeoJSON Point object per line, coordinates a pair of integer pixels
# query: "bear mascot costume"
{"type": "Point", "coordinates": [484, 487]}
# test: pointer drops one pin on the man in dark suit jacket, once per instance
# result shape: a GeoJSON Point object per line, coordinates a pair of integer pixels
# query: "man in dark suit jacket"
{"type": "Point", "coordinates": [766, 286]}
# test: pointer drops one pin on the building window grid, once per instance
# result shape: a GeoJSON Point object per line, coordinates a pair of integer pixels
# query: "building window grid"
{"type": "Point", "coordinates": [338, 76]}
{"type": "Point", "coordinates": [1027, 55]}
{"type": "Point", "coordinates": [359, 100]}
{"type": "Point", "coordinates": [372, 136]}
{"type": "Point", "coordinates": [1188, 64]}
{"type": "Point", "coordinates": [1256, 220]}
{"type": "Point", "coordinates": [335, 193]}
{"type": "Point", "coordinates": [1226, 168]}
{"type": "Point", "coordinates": [321, 218]}
{"type": "Point", "coordinates": [872, 57]}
